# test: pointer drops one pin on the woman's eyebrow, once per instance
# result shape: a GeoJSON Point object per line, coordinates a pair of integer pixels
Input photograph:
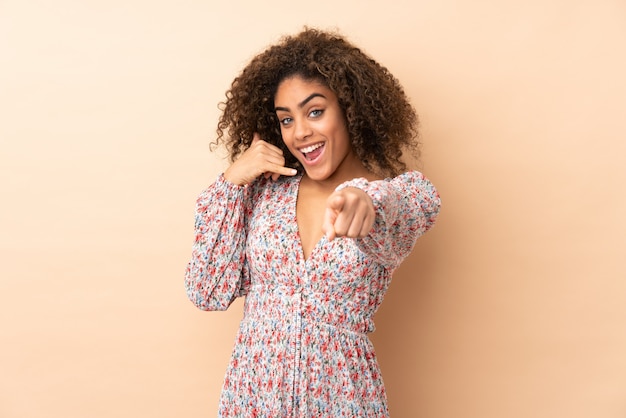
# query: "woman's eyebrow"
{"type": "Point", "coordinates": [302, 103]}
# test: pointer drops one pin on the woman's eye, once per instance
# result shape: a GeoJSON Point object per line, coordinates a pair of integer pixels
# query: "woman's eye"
{"type": "Point", "coordinates": [285, 121]}
{"type": "Point", "coordinates": [316, 113]}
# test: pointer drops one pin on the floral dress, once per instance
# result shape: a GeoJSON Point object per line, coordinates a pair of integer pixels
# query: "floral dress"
{"type": "Point", "coordinates": [302, 348]}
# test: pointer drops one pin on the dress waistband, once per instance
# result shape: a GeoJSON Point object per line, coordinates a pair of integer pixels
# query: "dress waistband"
{"type": "Point", "coordinates": [263, 303]}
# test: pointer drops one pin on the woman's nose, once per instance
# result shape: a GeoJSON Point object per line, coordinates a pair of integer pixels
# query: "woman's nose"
{"type": "Point", "coordinates": [303, 130]}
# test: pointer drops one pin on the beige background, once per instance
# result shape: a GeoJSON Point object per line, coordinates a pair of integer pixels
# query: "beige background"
{"type": "Point", "coordinates": [513, 306]}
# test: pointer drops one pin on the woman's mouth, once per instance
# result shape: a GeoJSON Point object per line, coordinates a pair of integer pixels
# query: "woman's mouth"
{"type": "Point", "coordinates": [312, 152]}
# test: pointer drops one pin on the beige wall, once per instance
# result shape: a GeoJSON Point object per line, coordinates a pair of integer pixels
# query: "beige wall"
{"type": "Point", "coordinates": [513, 306]}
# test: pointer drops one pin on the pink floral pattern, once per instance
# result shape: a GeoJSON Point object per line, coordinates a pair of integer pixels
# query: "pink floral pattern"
{"type": "Point", "coordinates": [302, 348]}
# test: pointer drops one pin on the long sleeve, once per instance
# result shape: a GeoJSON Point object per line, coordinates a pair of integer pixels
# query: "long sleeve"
{"type": "Point", "coordinates": [217, 274]}
{"type": "Point", "coordinates": [406, 207]}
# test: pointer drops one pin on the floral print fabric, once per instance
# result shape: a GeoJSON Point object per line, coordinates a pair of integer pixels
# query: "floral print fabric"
{"type": "Point", "coordinates": [302, 348]}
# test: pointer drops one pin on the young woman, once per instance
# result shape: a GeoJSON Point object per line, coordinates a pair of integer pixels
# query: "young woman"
{"type": "Point", "coordinates": [309, 222]}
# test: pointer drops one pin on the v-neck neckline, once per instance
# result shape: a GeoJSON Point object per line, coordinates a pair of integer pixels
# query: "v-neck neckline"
{"type": "Point", "coordinates": [294, 208]}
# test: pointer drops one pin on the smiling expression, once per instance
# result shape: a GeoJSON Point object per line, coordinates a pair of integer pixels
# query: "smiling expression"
{"type": "Point", "coordinates": [314, 129]}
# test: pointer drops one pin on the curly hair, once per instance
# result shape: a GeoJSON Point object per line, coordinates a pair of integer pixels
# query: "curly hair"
{"type": "Point", "coordinates": [381, 122]}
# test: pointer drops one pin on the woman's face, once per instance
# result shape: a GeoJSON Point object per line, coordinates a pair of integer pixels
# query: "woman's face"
{"type": "Point", "coordinates": [314, 129]}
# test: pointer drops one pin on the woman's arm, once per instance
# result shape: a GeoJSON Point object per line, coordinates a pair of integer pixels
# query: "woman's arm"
{"type": "Point", "coordinates": [217, 272]}
{"type": "Point", "coordinates": [215, 276]}
{"type": "Point", "coordinates": [405, 208]}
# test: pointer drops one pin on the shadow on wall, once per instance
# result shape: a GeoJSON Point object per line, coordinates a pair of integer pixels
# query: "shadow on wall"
{"type": "Point", "coordinates": [403, 324]}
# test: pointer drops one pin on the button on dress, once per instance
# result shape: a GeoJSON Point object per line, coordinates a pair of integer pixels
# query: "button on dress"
{"type": "Point", "coordinates": [302, 348]}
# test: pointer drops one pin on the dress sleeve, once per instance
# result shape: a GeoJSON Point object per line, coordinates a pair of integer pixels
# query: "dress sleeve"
{"type": "Point", "coordinates": [406, 207]}
{"type": "Point", "coordinates": [217, 272]}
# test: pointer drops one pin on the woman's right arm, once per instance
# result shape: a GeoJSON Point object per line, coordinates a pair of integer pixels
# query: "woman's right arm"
{"type": "Point", "coordinates": [214, 276]}
{"type": "Point", "coordinates": [217, 272]}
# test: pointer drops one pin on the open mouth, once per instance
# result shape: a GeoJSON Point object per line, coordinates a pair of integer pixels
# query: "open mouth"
{"type": "Point", "coordinates": [312, 151]}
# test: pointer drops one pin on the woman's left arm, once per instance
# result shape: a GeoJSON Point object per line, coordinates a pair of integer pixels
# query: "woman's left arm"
{"type": "Point", "coordinates": [405, 208]}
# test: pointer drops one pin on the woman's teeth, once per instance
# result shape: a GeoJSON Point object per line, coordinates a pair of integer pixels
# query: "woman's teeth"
{"type": "Point", "coordinates": [310, 148]}
{"type": "Point", "coordinates": [312, 151]}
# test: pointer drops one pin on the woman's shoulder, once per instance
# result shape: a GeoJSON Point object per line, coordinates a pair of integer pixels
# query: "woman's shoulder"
{"type": "Point", "coordinates": [407, 176]}
{"type": "Point", "coordinates": [415, 182]}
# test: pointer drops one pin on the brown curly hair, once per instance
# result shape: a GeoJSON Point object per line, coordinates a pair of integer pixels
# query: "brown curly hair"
{"type": "Point", "coordinates": [380, 120]}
